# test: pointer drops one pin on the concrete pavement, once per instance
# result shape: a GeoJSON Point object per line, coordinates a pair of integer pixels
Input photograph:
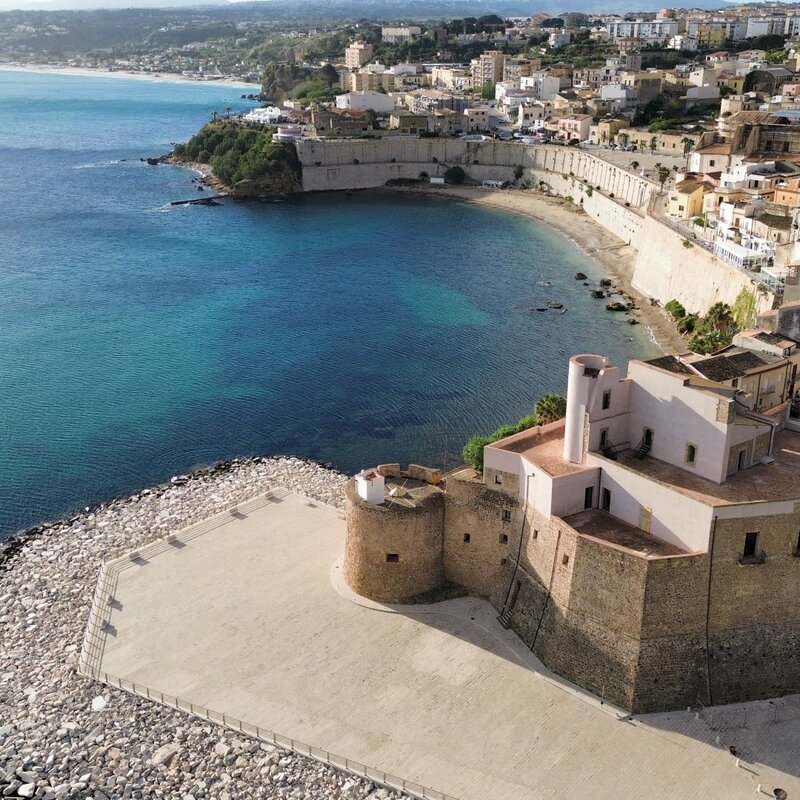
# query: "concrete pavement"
{"type": "Point", "coordinates": [242, 617]}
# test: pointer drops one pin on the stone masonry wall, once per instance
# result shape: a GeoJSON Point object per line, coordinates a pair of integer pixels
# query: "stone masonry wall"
{"type": "Point", "coordinates": [476, 510]}
{"type": "Point", "coordinates": [754, 610]}
{"type": "Point", "coordinates": [671, 671]}
{"type": "Point", "coordinates": [413, 533]}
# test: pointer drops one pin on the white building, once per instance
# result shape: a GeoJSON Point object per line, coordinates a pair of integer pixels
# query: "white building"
{"type": "Point", "coordinates": [542, 85]}
{"type": "Point", "coordinates": [400, 35]}
{"type": "Point", "coordinates": [652, 31]}
{"type": "Point", "coordinates": [559, 39]}
{"type": "Point", "coordinates": [265, 116]}
{"type": "Point", "coordinates": [362, 101]}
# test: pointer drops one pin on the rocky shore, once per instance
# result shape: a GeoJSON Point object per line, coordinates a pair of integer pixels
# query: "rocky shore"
{"type": "Point", "coordinates": [63, 736]}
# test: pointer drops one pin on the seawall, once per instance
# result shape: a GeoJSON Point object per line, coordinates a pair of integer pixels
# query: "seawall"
{"type": "Point", "coordinates": [615, 198]}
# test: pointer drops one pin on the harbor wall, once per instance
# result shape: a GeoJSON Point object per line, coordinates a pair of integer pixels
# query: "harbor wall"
{"type": "Point", "coordinates": [614, 197]}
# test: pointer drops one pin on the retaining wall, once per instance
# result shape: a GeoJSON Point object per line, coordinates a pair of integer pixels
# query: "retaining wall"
{"type": "Point", "coordinates": [666, 269]}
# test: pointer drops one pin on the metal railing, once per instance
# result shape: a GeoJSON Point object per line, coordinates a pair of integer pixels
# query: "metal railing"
{"type": "Point", "coordinates": [769, 712]}
{"type": "Point", "coordinates": [356, 768]}
{"type": "Point", "coordinates": [102, 603]}
{"type": "Point", "coordinates": [91, 657]}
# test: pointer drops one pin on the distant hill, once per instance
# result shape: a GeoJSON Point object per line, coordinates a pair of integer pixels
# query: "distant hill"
{"type": "Point", "coordinates": [376, 9]}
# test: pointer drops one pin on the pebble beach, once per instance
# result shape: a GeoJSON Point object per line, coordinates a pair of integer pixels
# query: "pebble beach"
{"type": "Point", "coordinates": [64, 736]}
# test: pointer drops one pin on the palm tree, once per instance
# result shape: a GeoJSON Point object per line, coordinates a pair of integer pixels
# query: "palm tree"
{"type": "Point", "coordinates": [653, 144]}
{"type": "Point", "coordinates": [688, 144]}
{"type": "Point", "coordinates": [720, 318]}
{"type": "Point", "coordinates": [550, 407]}
{"type": "Point", "coordinates": [663, 174]}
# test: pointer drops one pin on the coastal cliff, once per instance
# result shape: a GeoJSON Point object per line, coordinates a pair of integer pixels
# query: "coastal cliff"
{"type": "Point", "coordinates": [242, 160]}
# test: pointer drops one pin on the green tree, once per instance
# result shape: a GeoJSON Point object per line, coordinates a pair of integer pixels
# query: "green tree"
{"type": "Point", "coordinates": [550, 407]}
{"type": "Point", "coordinates": [744, 309]}
{"type": "Point", "coordinates": [720, 319]}
{"type": "Point", "coordinates": [487, 91]}
{"type": "Point", "coordinates": [329, 74]}
{"type": "Point", "coordinates": [653, 144]}
{"type": "Point", "coordinates": [662, 173]}
{"type": "Point", "coordinates": [518, 171]}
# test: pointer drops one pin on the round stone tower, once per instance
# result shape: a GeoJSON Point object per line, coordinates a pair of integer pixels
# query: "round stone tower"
{"type": "Point", "coordinates": [393, 548]}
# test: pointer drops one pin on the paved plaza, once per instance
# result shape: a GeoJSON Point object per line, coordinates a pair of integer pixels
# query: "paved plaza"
{"type": "Point", "coordinates": [246, 615]}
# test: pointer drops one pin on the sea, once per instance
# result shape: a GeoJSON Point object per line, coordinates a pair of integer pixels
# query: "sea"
{"type": "Point", "coordinates": [139, 340]}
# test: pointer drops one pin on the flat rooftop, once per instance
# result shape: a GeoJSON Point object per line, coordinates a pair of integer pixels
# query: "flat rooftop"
{"type": "Point", "coordinates": [241, 615]}
{"type": "Point", "coordinates": [543, 446]}
{"type": "Point", "coordinates": [777, 481]}
{"type": "Point", "coordinates": [604, 526]}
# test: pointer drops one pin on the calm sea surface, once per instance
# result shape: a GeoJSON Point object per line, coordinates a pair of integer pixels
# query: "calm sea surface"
{"type": "Point", "coordinates": [138, 340]}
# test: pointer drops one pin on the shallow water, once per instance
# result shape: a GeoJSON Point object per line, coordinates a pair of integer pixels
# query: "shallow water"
{"type": "Point", "coordinates": [140, 339]}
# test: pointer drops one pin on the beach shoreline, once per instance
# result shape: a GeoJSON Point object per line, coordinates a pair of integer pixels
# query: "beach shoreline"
{"type": "Point", "coordinates": [610, 252]}
{"type": "Point", "coordinates": [86, 72]}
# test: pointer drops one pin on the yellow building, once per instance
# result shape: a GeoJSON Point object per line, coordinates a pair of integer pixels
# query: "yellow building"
{"type": "Point", "coordinates": [686, 199]}
{"type": "Point", "coordinates": [708, 36]}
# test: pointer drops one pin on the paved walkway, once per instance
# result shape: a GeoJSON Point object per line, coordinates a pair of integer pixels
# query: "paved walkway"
{"type": "Point", "coordinates": [243, 618]}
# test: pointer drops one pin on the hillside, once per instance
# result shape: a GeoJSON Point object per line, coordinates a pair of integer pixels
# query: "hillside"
{"type": "Point", "coordinates": [244, 159]}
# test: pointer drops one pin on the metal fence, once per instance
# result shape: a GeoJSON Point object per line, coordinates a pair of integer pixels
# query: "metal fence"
{"type": "Point", "coordinates": [727, 718]}
{"type": "Point", "coordinates": [99, 625]}
{"type": "Point", "coordinates": [356, 768]}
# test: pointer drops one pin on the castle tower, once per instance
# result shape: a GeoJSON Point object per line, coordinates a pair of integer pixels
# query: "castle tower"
{"type": "Point", "coordinates": [581, 383]}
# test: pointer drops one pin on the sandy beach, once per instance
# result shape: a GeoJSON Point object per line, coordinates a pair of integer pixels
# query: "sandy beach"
{"type": "Point", "coordinates": [141, 76]}
{"type": "Point", "coordinates": [594, 240]}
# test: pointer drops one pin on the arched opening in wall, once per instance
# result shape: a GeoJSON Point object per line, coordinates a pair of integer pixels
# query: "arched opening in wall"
{"type": "Point", "coordinates": [423, 176]}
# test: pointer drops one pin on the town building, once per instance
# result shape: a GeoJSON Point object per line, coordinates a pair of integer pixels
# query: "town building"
{"type": "Point", "coordinates": [646, 547]}
{"type": "Point", "coordinates": [488, 68]}
{"type": "Point", "coordinates": [357, 54]}
{"type": "Point", "coordinates": [401, 35]}
{"type": "Point", "coordinates": [365, 100]}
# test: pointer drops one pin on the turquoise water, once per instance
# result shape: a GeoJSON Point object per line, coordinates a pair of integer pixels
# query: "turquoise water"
{"type": "Point", "coordinates": [139, 339]}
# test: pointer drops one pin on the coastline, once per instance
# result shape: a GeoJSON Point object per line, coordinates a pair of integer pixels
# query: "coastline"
{"type": "Point", "coordinates": [48, 708]}
{"type": "Point", "coordinates": [593, 240]}
{"type": "Point", "coordinates": [86, 72]}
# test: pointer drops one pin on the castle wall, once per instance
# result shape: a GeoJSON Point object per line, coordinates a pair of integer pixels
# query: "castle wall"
{"type": "Point", "coordinates": [671, 670]}
{"type": "Point", "coordinates": [754, 610]}
{"type": "Point", "coordinates": [413, 532]}
{"type": "Point", "coordinates": [477, 510]}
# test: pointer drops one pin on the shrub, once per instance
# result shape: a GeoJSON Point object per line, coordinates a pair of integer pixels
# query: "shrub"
{"type": "Point", "coordinates": [455, 175]}
{"type": "Point", "coordinates": [550, 407]}
{"type": "Point", "coordinates": [675, 309]}
{"type": "Point", "coordinates": [473, 451]}
{"type": "Point", "coordinates": [698, 221]}
{"type": "Point", "coordinates": [687, 244]}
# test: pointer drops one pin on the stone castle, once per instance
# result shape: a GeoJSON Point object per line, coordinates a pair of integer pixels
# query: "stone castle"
{"type": "Point", "coordinates": [646, 547]}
